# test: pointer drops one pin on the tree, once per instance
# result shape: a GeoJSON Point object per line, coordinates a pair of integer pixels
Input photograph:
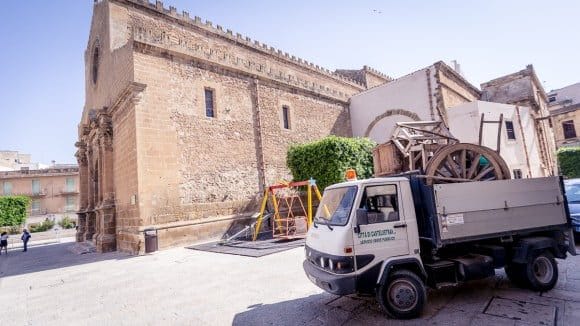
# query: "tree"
{"type": "Point", "coordinates": [13, 210]}
{"type": "Point", "coordinates": [326, 160]}
{"type": "Point", "coordinates": [569, 161]}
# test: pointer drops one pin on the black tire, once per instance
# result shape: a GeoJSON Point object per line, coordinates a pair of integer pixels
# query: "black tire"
{"type": "Point", "coordinates": [542, 271]}
{"type": "Point", "coordinates": [403, 295]}
{"type": "Point", "coordinates": [516, 274]}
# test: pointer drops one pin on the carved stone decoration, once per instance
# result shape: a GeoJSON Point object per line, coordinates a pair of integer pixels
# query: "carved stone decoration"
{"type": "Point", "coordinates": [105, 129]}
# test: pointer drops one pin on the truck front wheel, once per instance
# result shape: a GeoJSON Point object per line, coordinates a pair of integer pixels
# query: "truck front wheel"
{"type": "Point", "coordinates": [542, 271]}
{"type": "Point", "coordinates": [403, 295]}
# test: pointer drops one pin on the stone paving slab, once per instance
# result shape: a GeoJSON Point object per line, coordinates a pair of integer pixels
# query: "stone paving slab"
{"type": "Point", "coordinates": [51, 285]}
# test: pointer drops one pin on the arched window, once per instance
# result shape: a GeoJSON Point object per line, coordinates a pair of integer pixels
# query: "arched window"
{"type": "Point", "coordinates": [95, 62]}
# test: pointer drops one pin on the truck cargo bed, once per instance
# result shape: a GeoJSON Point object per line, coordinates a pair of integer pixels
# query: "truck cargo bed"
{"type": "Point", "coordinates": [459, 212]}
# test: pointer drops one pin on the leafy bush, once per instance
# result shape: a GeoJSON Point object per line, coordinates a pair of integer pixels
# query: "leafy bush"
{"type": "Point", "coordinates": [326, 160]}
{"type": "Point", "coordinates": [11, 229]}
{"type": "Point", "coordinates": [41, 227]}
{"type": "Point", "coordinates": [569, 161]}
{"type": "Point", "coordinates": [13, 210]}
{"type": "Point", "coordinates": [67, 222]}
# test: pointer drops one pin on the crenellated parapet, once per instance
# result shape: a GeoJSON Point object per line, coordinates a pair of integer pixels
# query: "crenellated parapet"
{"type": "Point", "coordinates": [377, 73]}
{"type": "Point", "coordinates": [162, 37]}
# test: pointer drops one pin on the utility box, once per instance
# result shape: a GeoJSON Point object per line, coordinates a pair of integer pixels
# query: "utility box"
{"type": "Point", "coordinates": [151, 242]}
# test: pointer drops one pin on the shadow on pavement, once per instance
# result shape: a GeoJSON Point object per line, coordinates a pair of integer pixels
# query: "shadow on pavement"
{"type": "Point", "coordinates": [47, 257]}
{"type": "Point", "coordinates": [302, 311]}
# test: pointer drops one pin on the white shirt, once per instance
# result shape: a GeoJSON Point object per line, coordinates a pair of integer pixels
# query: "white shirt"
{"type": "Point", "coordinates": [4, 237]}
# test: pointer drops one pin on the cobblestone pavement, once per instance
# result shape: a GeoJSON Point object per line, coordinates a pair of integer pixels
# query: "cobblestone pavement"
{"type": "Point", "coordinates": [54, 285]}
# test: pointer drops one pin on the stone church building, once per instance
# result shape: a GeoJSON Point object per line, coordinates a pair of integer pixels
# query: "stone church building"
{"type": "Point", "coordinates": [184, 122]}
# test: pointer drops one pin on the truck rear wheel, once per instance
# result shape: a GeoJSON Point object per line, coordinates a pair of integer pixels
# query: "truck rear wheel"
{"type": "Point", "coordinates": [403, 295]}
{"type": "Point", "coordinates": [542, 271]}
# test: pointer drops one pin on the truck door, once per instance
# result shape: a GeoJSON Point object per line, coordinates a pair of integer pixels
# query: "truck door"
{"type": "Point", "coordinates": [385, 233]}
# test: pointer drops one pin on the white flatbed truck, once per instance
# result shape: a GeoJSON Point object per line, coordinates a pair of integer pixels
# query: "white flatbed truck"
{"type": "Point", "coordinates": [393, 237]}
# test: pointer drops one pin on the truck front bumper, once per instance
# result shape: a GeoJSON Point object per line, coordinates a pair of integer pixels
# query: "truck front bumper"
{"type": "Point", "coordinates": [331, 283]}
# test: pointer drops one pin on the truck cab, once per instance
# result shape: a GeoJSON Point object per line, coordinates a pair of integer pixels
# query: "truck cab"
{"type": "Point", "coordinates": [360, 228]}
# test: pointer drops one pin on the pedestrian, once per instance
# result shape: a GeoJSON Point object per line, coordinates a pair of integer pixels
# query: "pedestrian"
{"type": "Point", "coordinates": [4, 242]}
{"type": "Point", "coordinates": [25, 237]}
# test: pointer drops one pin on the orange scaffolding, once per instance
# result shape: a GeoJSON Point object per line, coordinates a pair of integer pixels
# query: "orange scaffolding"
{"type": "Point", "coordinates": [290, 225]}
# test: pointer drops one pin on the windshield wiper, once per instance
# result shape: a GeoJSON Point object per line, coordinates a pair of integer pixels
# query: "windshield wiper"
{"type": "Point", "coordinates": [330, 227]}
{"type": "Point", "coordinates": [314, 224]}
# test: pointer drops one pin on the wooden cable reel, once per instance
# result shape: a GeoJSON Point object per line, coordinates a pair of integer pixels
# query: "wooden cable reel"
{"type": "Point", "coordinates": [462, 162]}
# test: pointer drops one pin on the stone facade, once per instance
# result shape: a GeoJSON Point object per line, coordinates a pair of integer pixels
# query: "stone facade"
{"type": "Point", "coordinates": [151, 156]}
{"type": "Point", "coordinates": [52, 191]}
{"type": "Point", "coordinates": [524, 88]}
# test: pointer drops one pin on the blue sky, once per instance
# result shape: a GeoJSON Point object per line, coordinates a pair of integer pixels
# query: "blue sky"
{"type": "Point", "coordinates": [42, 67]}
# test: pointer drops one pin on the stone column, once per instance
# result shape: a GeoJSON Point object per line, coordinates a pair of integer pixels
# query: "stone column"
{"type": "Point", "coordinates": [81, 156]}
{"type": "Point", "coordinates": [90, 213]}
{"type": "Point", "coordinates": [106, 240]}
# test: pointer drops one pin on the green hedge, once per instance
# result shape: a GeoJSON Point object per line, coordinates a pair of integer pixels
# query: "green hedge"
{"type": "Point", "coordinates": [326, 160]}
{"type": "Point", "coordinates": [13, 210]}
{"type": "Point", "coordinates": [569, 161]}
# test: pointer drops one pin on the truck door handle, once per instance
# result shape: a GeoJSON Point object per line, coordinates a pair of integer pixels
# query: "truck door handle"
{"type": "Point", "coordinates": [402, 225]}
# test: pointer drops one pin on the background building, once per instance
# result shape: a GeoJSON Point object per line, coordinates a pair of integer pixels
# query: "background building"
{"type": "Point", "coordinates": [52, 191]}
{"type": "Point", "coordinates": [564, 104]}
{"type": "Point", "coordinates": [523, 88]}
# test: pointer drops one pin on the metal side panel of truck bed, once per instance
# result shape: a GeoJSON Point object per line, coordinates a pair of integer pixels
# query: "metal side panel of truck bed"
{"type": "Point", "coordinates": [476, 210]}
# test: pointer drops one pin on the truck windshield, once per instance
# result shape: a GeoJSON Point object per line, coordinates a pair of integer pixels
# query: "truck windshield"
{"type": "Point", "coordinates": [335, 207]}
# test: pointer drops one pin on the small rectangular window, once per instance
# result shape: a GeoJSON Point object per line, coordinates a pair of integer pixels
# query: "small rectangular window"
{"type": "Point", "coordinates": [286, 117]}
{"type": "Point", "coordinates": [70, 184]}
{"type": "Point", "coordinates": [569, 130]}
{"type": "Point", "coordinates": [35, 206]}
{"type": "Point", "coordinates": [509, 127]}
{"type": "Point", "coordinates": [517, 174]}
{"type": "Point", "coordinates": [552, 99]}
{"type": "Point", "coordinates": [209, 103]}
{"type": "Point", "coordinates": [70, 203]}
{"type": "Point", "coordinates": [35, 187]}
{"type": "Point", "coordinates": [7, 188]}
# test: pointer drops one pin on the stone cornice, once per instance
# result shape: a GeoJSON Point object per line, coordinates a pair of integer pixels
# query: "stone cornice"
{"type": "Point", "coordinates": [131, 94]}
{"type": "Point", "coordinates": [152, 49]}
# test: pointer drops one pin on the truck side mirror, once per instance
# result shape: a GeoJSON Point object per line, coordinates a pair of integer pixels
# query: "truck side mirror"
{"type": "Point", "coordinates": [361, 219]}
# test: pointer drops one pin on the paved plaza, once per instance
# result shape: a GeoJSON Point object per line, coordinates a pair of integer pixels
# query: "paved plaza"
{"type": "Point", "coordinates": [56, 285]}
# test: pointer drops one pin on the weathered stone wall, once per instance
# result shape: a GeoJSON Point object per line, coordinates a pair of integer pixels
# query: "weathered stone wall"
{"type": "Point", "coordinates": [126, 177]}
{"type": "Point", "coordinates": [508, 90]}
{"type": "Point", "coordinates": [310, 118]}
{"type": "Point", "coordinates": [453, 92]}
